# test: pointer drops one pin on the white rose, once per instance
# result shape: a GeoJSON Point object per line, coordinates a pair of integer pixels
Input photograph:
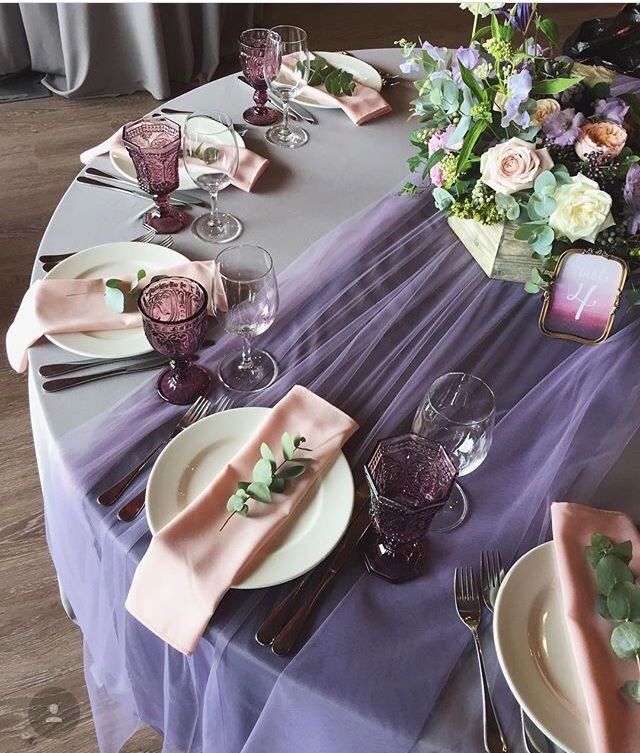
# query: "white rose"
{"type": "Point", "coordinates": [582, 210]}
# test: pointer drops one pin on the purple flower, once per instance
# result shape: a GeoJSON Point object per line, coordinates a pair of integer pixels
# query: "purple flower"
{"type": "Point", "coordinates": [632, 198]}
{"type": "Point", "coordinates": [469, 57]}
{"type": "Point", "coordinates": [439, 54]}
{"type": "Point", "coordinates": [518, 88]}
{"type": "Point", "coordinates": [562, 128]}
{"type": "Point", "coordinates": [410, 66]}
{"type": "Point", "coordinates": [612, 109]}
{"type": "Point", "coordinates": [520, 15]}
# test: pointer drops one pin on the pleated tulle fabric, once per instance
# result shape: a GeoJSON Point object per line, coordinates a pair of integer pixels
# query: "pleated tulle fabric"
{"type": "Point", "coordinates": [369, 316]}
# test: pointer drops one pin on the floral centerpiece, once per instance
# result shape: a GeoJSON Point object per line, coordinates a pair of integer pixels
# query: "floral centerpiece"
{"type": "Point", "coordinates": [511, 133]}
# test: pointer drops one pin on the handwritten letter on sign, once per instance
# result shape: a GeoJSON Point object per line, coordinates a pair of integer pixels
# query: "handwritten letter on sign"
{"type": "Point", "coordinates": [583, 297]}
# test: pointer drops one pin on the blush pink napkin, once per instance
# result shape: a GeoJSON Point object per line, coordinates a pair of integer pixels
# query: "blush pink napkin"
{"type": "Point", "coordinates": [190, 563]}
{"type": "Point", "coordinates": [614, 721]}
{"type": "Point", "coordinates": [58, 306]}
{"type": "Point", "coordinates": [363, 105]}
{"type": "Point", "coordinates": [250, 165]}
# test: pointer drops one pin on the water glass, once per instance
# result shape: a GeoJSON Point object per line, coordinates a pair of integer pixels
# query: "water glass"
{"type": "Point", "coordinates": [458, 412]}
{"type": "Point", "coordinates": [286, 71]}
{"type": "Point", "coordinates": [410, 479]}
{"type": "Point", "coordinates": [253, 44]}
{"type": "Point", "coordinates": [210, 155]}
{"type": "Point", "coordinates": [246, 306]}
{"type": "Point", "coordinates": [174, 317]}
{"type": "Point", "coordinates": [154, 147]}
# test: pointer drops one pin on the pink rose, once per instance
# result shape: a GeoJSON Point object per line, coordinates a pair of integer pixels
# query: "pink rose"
{"type": "Point", "coordinates": [604, 138]}
{"type": "Point", "coordinates": [513, 165]}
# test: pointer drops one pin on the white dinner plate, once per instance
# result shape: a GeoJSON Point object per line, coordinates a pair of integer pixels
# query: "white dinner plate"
{"type": "Point", "coordinates": [191, 460]}
{"type": "Point", "coordinates": [111, 260]}
{"type": "Point", "coordinates": [535, 653]}
{"type": "Point", "coordinates": [362, 72]}
{"type": "Point", "coordinates": [123, 164]}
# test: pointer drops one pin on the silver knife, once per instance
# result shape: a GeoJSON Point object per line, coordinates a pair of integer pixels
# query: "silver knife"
{"type": "Point", "coordinates": [55, 385]}
{"type": "Point", "coordinates": [132, 191]}
{"type": "Point", "coordinates": [177, 195]}
{"type": "Point", "coordinates": [535, 741]}
{"type": "Point", "coordinates": [294, 108]}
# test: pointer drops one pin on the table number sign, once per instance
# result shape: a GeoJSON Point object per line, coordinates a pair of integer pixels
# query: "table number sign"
{"type": "Point", "coordinates": [583, 297]}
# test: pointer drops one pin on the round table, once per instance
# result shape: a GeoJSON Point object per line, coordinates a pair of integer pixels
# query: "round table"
{"type": "Point", "coordinates": [304, 194]}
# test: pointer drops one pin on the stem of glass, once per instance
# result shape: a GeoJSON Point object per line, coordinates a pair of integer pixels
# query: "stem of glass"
{"type": "Point", "coordinates": [214, 218]}
{"type": "Point", "coordinates": [246, 362]}
{"type": "Point", "coordinates": [285, 114]}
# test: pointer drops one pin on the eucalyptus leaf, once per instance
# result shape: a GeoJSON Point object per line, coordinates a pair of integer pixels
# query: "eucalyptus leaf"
{"type": "Point", "coordinates": [625, 640]}
{"type": "Point", "coordinates": [623, 551]}
{"type": "Point", "coordinates": [610, 571]}
{"type": "Point", "coordinates": [113, 282]}
{"type": "Point", "coordinates": [277, 485]}
{"type": "Point", "coordinates": [531, 287]}
{"type": "Point", "coordinates": [260, 491]}
{"type": "Point", "coordinates": [291, 471]}
{"type": "Point", "coordinates": [141, 274]}
{"type": "Point", "coordinates": [545, 183]}
{"type": "Point", "coordinates": [631, 690]}
{"type": "Point", "coordinates": [298, 439]}
{"type": "Point", "coordinates": [262, 471]}
{"type": "Point", "coordinates": [235, 503]}
{"type": "Point", "coordinates": [624, 602]}
{"type": "Point", "coordinates": [601, 606]}
{"type": "Point", "coordinates": [244, 485]}
{"type": "Point", "coordinates": [288, 448]}
{"type": "Point", "coordinates": [513, 212]}
{"type": "Point", "coordinates": [442, 198]}
{"type": "Point", "coordinates": [544, 242]}
{"type": "Point", "coordinates": [266, 452]}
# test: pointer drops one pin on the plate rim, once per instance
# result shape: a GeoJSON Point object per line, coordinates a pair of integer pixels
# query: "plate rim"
{"type": "Point", "coordinates": [340, 458]}
{"type": "Point", "coordinates": [548, 548]}
{"type": "Point", "coordinates": [60, 339]}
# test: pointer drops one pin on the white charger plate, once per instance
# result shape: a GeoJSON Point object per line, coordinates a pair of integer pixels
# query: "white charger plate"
{"type": "Point", "coordinates": [534, 651]}
{"type": "Point", "coordinates": [362, 72]}
{"type": "Point", "coordinates": [123, 164]}
{"type": "Point", "coordinates": [111, 260]}
{"type": "Point", "coordinates": [191, 460]}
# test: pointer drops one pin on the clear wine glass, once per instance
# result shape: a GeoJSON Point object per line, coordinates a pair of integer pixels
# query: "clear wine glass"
{"type": "Point", "coordinates": [286, 71]}
{"type": "Point", "coordinates": [247, 306]}
{"type": "Point", "coordinates": [457, 412]}
{"type": "Point", "coordinates": [210, 155]}
{"type": "Point", "coordinates": [253, 43]}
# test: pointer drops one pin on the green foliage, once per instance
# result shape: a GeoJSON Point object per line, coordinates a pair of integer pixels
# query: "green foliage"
{"type": "Point", "coordinates": [120, 295]}
{"type": "Point", "coordinates": [618, 601]}
{"type": "Point", "coordinates": [549, 28]}
{"type": "Point", "coordinates": [336, 81]}
{"type": "Point", "coordinates": [551, 86]}
{"type": "Point", "coordinates": [268, 477]}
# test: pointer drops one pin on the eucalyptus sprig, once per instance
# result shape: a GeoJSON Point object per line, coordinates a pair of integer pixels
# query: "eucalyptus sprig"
{"type": "Point", "coordinates": [618, 601]}
{"type": "Point", "coordinates": [119, 295]}
{"type": "Point", "coordinates": [269, 477]}
{"type": "Point", "coordinates": [336, 81]}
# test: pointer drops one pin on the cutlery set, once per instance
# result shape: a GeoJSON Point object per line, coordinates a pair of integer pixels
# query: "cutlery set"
{"type": "Point", "coordinates": [468, 600]}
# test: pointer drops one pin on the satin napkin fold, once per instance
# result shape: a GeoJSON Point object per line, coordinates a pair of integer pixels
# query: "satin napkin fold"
{"type": "Point", "coordinates": [250, 165]}
{"type": "Point", "coordinates": [363, 105]}
{"type": "Point", "coordinates": [59, 306]}
{"type": "Point", "coordinates": [190, 563]}
{"type": "Point", "coordinates": [614, 721]}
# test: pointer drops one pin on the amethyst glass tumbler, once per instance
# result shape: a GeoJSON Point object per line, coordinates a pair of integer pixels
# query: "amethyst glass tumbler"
{"type": "Point", "coordinates": [154, 148]}
{"type": "Point", "coordinates": [410, 479]}
{"type": "Point", "coordinates": [252, 49]}
{"type": "Point", "coordinates": [174, 317]}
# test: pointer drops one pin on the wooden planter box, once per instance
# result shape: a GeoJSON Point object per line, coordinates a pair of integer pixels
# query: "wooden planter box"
{"type": "Point", "coordinates": [495, 249]}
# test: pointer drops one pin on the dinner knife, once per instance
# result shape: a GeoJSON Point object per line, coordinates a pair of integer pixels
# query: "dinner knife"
{"type": "Point", "coordinates": [56, 385]}
{"type": "Point", "coordinates": [177, 195]}
{"type": "Point", "coordinates": [296, 110]}
{"type": "Point", "coordinates": [132, 191]}
{"type": "Point", "coordinates": [287, 639]}
{"type": "Point", "coordinates": [58, 369]}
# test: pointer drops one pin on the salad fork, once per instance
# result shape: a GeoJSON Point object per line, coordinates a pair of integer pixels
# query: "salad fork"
{"type": "Point", "coordinates": [51, 260]}
{"type": "Point", "coordinates": [469, 609]}
{"type": "Point", "coordinates": [110, 496]}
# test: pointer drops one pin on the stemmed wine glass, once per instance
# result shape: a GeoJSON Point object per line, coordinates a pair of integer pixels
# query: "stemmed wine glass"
{"type": "Point", "coordinates": [458, 412]}
{"type": "Point", "coordinates": [286, 71]}
{"type": "Point", "coordinates": [253, 43]}
{"type": "Point", "coordinates": [174, 317]}
{"type": "Point", "coordinates": [247, 306]}
{"type": "Point", "coordinates": [154, 147]}
{"type": "Point", "coordinates": [210, 155]}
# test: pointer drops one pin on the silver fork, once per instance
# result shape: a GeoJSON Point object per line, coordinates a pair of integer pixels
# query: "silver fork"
{"type": "Point", "coordinates": [134, 507]}
{"type": "Point", "coordinates": [469, 611]}
{"type": "Point", "coordinates": [167, 242]}
{"type": "Point", "coordinates": [491, 577]}
{"type": "Point", "coordinates": [50, 260]}
{"type": "Point", "coordinates": [111, 495]}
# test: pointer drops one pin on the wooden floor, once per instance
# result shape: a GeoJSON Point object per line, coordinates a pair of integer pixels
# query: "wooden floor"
{"type": "Point", "coordinates": [39, 145]}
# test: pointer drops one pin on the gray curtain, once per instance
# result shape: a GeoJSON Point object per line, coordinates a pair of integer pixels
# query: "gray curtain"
{"type": "Point", "coordinates": [93, 49]}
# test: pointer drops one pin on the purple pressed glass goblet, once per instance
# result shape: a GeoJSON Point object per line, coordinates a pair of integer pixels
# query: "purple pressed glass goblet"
{"type": "Point", "coordinates": [410, 479]}
{"type": "Point", "coordinates": [174, 317]}
{"type": "Point", "coordinates": [154, 148]}
{"type": "Point", "coordinates": [252, 48]}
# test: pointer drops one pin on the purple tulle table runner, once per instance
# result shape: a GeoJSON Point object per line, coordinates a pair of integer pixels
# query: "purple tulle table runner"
{"type": "Point", "coordinates": [369, 316]}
